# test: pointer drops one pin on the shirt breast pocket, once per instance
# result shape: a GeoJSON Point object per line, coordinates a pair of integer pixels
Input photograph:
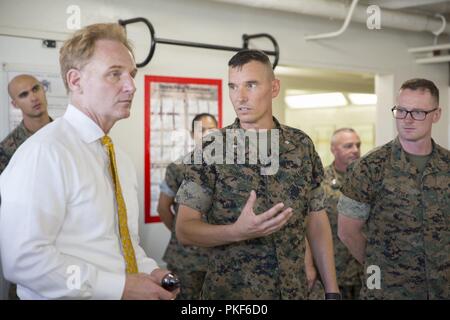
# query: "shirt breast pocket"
{"type": "Point", "coordinates": [437, 196]}
{"type": "Point", "coordinates": [294, 186]}
{"type": "Point", "coordinates": [399, 202]}
{"type": "Point", "coordinates": [232, 190]}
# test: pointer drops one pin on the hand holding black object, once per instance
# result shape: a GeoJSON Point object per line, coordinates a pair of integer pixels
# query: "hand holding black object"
{"type": "Point", "coordinates": [170, 282]}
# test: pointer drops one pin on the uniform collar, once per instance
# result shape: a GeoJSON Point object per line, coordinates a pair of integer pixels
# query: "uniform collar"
{"type": "Point", "coordinates": [334, 177]}
{"type": "Point", "coordinates": [27, 133]}
{"type": "Point", "coordinates": [86, 128]}
{"type": "Point", "coordinates": [21, 127]}
{"type": "Point", "coordinates": [437, 162]}
{"type": "Point", "coordinates": [337, 174]}
{"type": "Point", "coordinates": [401, 163]}
{"type": "Point", "coordinates": [287, 139]}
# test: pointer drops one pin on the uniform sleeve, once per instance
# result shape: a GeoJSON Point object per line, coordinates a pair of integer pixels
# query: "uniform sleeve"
{"type": "Point", "coordinates": [358, 184]}
{"type": "Point", "coordinates": [317, 196]}
{"type": "Point", "coordinates": [172, 178]}
{"type": "Point", "coordinates": [169, 185]}
{"type": "Point", "coordinates": [353, 209]}
{"type": "Point", "coordinates": [4, 157]}
{"type": "Point", "coordinates": [196, 190]}
{"type": "Point", "coordinates": [357, 191]}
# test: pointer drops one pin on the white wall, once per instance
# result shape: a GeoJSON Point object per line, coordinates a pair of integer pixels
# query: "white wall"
{"type": "Point", "coordinates": [320, 123]}
{"type": "Point", "coordinates": [382, 52]}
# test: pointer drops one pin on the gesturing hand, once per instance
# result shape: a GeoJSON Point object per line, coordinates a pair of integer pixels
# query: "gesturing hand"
{"type": "Point", "coordinates": [249, 225]}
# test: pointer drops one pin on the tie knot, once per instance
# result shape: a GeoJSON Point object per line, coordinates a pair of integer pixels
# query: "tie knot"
{"type": "Point", "coordinates": [106, 141]}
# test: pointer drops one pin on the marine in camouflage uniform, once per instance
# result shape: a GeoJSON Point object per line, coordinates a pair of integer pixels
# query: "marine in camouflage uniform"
{"type": "Point", "coordinates": [349, 271]}
{"type": "Point", "coordinates": [269, 267]}
{"type": "Point", "coordinates": [10, 144]}
{"type": "Point", "coordinates": [188, 262]}
{"type": "Point", "coordinates": [407, 212]}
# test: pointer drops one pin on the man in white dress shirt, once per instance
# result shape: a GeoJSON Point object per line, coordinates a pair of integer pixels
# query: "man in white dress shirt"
{"type": "Point", "coordinates": [59, 224]}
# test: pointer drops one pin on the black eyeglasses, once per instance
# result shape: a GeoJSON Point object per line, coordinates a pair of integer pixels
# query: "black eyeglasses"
{"type": "Point", "coordinates": [420, 115]}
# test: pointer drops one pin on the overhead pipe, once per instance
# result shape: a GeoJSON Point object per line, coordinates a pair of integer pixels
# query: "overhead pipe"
{"type": "Point", "coordinates": [341, 30]}
{"type": "Point", "coordinates": [433, 57]}
{"type": "Point", "coordinates": [436, 59]}
{"type": "Point", "coordinates": [338, 10]}
{"type": "Point", "coordinates": [442, 28]}
{"type": "Point", "coordinates": [437, 47]}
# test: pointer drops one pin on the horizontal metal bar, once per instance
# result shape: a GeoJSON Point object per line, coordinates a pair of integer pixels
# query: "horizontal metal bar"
{"type": "Point", "coordinates": [34, 34]}
{"type": "Point", "coordinates": [196, 44]}
{"type": "Point", "coordinates": [437, 59]}
{"type": "Point", "coordinates": [154, 40]}
{"type": "Point", "coordinates": [430, 48]}
{"type": "Point", "coordinates": [204, 45]}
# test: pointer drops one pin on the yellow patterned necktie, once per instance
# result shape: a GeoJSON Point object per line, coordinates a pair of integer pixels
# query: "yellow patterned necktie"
{"type": "Point", "coordinates": [127, 245]}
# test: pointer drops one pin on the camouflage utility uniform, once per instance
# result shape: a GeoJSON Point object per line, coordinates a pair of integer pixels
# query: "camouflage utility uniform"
{"type": "Point", "coordinates": [407, 214]}
{"type": "Point", "coordinates": [10, 144]}
{"type": "Point", "coordinates": [188, 262]}
{"type": "Point", "coordinates": [349, 271]}
{"type": "Point", "coordinates": [270, 267]}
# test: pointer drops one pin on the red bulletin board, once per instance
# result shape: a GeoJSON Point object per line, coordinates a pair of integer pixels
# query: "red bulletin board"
{"type": "Point", "coordinates": [170, 105]}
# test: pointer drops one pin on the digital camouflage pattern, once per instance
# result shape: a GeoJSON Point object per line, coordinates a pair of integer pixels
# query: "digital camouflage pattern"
{"type": "Point", "coordinates": [188, 262]}
{"type": "Point", "coordinates": [349, 272]}
{"type": "Point", "coordinates": [408, 225]}
{"type": "Point", "coordinates": [270, 267]}
{"type": "Point", "coordinates": [348, 269]}
{"type": "Point", "coordinates": [10, 144]}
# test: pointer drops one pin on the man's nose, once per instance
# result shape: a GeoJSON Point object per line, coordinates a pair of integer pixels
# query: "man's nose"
{"type": "Point", "coordinates": [129, 85]}
{"type": "Point", "coordinates": [409, 117]}
{"type": "Point", "coordinates": [33, 96]}
{"type": "Point", "coordinates": [242, 94]}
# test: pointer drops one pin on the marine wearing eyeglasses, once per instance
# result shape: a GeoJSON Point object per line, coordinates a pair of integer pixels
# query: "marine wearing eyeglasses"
{"type": "Point", "coordinates": [400, 191]}
{"type": "Point", "coordinates": [402, 113]}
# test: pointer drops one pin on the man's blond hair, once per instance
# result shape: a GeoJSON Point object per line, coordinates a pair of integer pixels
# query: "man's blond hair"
{"type": "Point", "coordinates": [78, 50]}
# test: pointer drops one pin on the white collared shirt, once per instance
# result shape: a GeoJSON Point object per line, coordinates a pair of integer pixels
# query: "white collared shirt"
{"type": "Point", "coordinates": [58, 217]}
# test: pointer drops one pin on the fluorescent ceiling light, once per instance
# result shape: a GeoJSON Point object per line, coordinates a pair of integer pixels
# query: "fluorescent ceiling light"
{"type": "Point", "coordinates": [363, 98]}
{"type": "Point", "coordinates": [316, 100]}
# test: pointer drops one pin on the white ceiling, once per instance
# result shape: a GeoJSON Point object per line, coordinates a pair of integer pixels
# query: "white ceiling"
{"type": "Point", "coordinates": [427, 7]}
{"type": "Point", "coordinates": [329, 80]}
{"type": "Point", "coordinates": [324, 80]}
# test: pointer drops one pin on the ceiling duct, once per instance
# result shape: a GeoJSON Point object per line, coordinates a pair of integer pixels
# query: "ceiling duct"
{"type": "Point", "coordinates": [338, 10]}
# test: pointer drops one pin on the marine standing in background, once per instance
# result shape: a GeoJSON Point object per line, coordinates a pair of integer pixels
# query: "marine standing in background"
{"type": "Point", "coordinates": [188, 262]}
{"type": "Point", "coordinates": [395, 205]}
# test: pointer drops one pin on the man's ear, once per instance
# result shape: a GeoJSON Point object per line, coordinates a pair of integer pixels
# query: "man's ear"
{"type": "Point", "coordinates": [437, 115]}
{"type": "Point", "coordinates": [73, 78]}
{"type": "Point", "coordinates": [333, 149]}
{"type": "Point", "coordinates": [14, 104]}
{"type": "Point", "coordinates": [275, 88]}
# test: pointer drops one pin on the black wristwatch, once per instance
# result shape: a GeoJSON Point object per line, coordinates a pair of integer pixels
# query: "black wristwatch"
{"type": "Point", "coordinates": [333, 296]}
